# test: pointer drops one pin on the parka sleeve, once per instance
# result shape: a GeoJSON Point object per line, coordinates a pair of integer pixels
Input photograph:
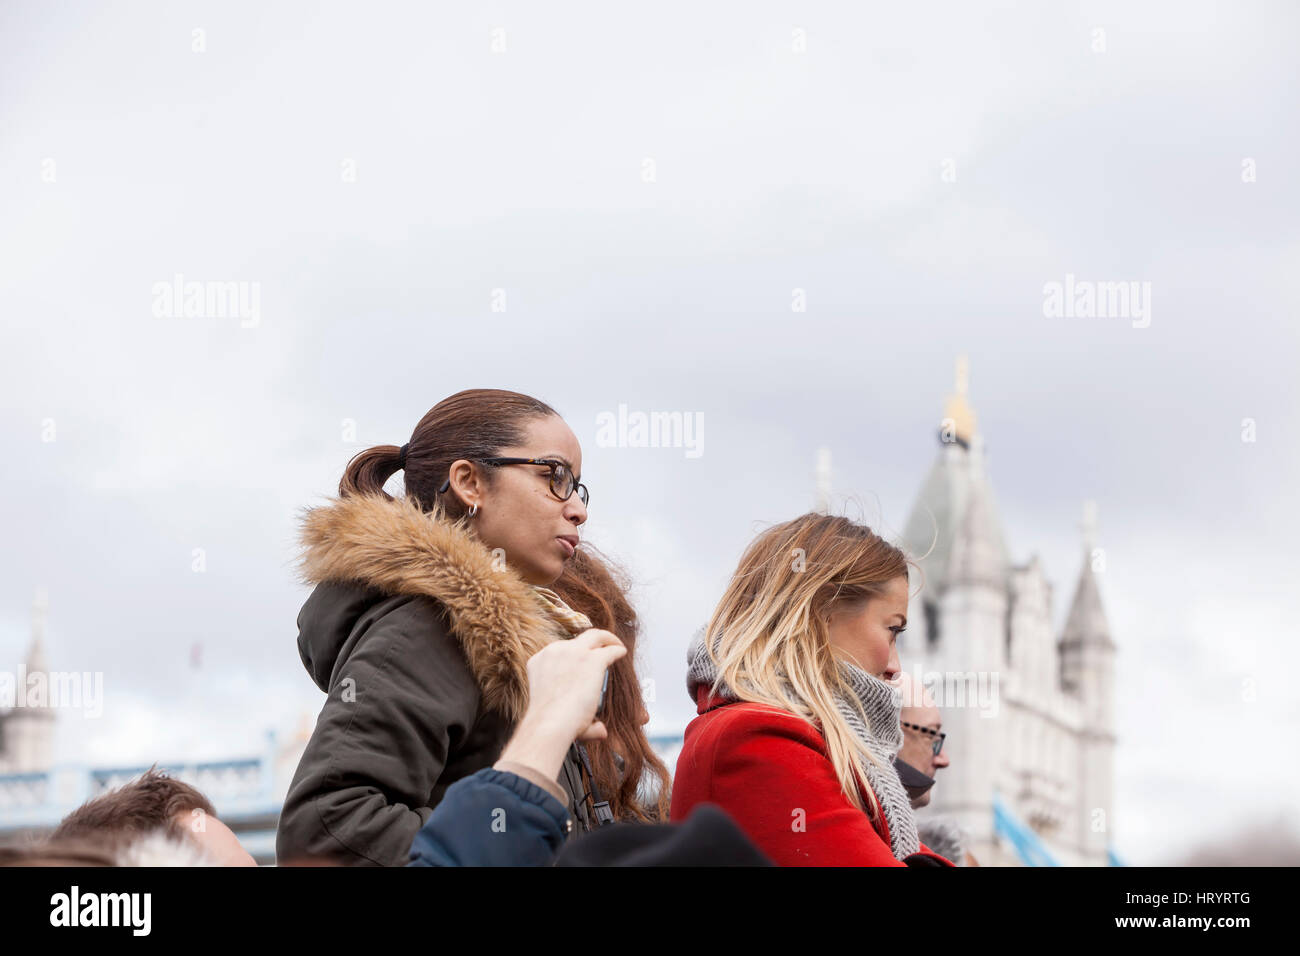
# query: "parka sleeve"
{"type": "Point", "coordinates": [398, 702]}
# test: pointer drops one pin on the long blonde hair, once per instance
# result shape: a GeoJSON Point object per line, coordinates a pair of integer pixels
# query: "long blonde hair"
{"type": "Point", "coordinates": [768, 636]}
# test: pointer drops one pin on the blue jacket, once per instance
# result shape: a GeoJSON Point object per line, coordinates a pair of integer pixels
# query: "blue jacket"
{"type": "Point", "coordinates": [492, 818]}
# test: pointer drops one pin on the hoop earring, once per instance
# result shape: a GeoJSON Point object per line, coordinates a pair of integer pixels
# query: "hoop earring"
{"type": "Point", "coordinates": [473, 509]}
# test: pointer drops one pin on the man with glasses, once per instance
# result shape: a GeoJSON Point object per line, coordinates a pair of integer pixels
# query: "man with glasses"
{"type": "Point", "coordinates": [922, 755]}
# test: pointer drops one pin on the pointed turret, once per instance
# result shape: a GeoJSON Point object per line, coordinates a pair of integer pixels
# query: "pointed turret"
{"type": "Point", "coordinates": [28, 732]}
{"type": "Point", "coordinates": [1088, 672]}
{"type": "Point", "coordinates": [942, 514]}
{"type": "Point", "coordinates": [36, 651]}
{"type": "Point", "coordinates": [1086, 623]}
{"type": "Point", "coordinates": [1086, 645]}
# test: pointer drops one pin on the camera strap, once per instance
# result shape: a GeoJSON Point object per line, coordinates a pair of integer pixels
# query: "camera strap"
{"type": "Point", "coordinates": [599, 808]}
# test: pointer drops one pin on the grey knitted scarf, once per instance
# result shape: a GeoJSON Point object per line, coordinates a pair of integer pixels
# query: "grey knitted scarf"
{"type": "Point", "coordinates": [882, 735]}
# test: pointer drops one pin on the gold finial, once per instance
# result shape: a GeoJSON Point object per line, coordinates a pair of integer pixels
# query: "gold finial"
{"type": "Point", "coordinates": [959, 418]}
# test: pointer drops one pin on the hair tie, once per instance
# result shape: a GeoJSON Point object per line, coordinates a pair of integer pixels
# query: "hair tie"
{"type": "Point", "coordinates": [401, 455]}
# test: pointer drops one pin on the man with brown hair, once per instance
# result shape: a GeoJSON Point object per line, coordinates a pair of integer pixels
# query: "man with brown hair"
{"type": "Point", "coordinates": [154, 803]}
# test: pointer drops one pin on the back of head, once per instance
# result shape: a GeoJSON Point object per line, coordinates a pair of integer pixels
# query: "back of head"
{"type": "Point", "coordinates": [943, 836]}
{"type": "Point", "coordinates": [152, 802]}
{"type": "Point", "coordinates": [473, 424]}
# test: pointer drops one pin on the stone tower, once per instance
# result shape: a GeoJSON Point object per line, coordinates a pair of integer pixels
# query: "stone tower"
{"type": "Point", "coordinates": [27, 727]}
{"type": "Point", "coordinates": [1029, 716]}
{"type": "Point", "coordinates": [1087, 663]}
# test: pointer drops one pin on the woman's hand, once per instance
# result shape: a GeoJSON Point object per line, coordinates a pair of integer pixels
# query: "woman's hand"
{"type": "Point", "coordinates": [564, 681]}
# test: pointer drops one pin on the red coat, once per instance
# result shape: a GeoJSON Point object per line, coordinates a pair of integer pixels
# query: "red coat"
{"type": "Point", "coordinates": [770, 771]}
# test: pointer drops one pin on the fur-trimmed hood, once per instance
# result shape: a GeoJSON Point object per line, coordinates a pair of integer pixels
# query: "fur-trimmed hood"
{"type": "Point", "coordinates": [392, 547]}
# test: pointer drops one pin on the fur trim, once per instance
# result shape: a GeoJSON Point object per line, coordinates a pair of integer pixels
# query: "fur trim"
{"type": "Point", "coordinates": [392, 545]}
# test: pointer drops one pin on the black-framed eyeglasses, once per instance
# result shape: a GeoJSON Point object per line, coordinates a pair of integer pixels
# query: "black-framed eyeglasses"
{"type": "Point", "coordinates": [563, 484]}
{"type": "Point", "coordinates": [929, 732]}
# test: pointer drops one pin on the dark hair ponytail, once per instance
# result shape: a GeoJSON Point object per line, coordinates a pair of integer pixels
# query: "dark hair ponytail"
{"type": "Point", "coordinates": [475, 423]}
{"type": "Point", "coordinates": [369, 470]}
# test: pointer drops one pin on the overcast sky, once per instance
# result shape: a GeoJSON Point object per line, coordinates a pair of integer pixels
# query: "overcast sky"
{"type": "Point", "coordinates": [649, 186]}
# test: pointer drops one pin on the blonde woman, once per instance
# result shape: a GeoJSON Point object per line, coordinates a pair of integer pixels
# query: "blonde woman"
{"type": "Point", "coordinates": [798, 719]}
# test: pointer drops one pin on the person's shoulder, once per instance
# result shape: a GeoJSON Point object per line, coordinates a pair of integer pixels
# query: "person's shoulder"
{"type": "Point", "coordinates": [730, 724]}
{"type": "Point", "coordinates": [924, 856]}
{"type": "Point", "coordinates": [411, 612]}
{"type": "Point", "coordinates": [415, 628]}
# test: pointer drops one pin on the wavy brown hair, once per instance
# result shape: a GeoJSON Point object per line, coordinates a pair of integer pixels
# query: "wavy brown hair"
{"type": "Point", "coordinates": [152, 801]}
{"type": "Point", "coordinates": [592, 584]}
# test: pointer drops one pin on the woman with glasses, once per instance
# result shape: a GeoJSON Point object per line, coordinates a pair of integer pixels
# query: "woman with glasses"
{"type": "Point", "coordinates": [798, 719]}
{"type": "Point", "coordinates": [425, 612]}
